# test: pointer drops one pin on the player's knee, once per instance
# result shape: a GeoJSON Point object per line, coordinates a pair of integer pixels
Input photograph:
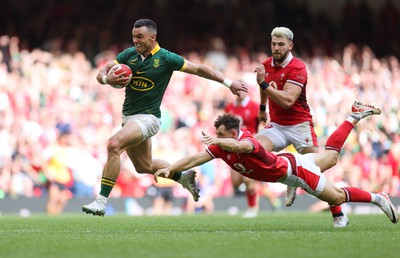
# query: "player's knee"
{"type": "Point", "coordinates": [335, 201]}
{"type": "Point", "coordinates": [332, 158]}
{"type": "Point", "coordinates": [114, 146]}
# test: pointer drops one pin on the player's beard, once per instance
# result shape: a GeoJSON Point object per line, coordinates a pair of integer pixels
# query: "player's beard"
{"type": "Point", "coordinates": [280, 57]}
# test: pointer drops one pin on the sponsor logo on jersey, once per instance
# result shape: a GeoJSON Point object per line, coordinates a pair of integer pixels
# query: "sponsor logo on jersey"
{"type": "Point", "coordinates": [133, 61]}
{"type": "Point", "coordinates": [141, 84]}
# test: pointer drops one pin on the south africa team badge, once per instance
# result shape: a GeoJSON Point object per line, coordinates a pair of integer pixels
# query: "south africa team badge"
{"type": "Point", "coordinates": [156, 63]}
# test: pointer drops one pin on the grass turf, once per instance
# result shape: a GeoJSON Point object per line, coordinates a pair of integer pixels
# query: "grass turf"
{"type": "Point", "coordinates": [269, 235]}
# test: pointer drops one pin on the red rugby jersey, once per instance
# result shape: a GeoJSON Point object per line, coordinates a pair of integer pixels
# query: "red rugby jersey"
{"type": "Point", "coordinates": [247, 113]}
{"type": "Point", "coordinates": [292, 70]}
{"type": "Point", "coordinates": [260, 164]}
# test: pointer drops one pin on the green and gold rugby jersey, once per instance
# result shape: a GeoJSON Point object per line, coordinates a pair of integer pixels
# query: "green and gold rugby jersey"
{"type": "Point", "coordinates": [150, 78]}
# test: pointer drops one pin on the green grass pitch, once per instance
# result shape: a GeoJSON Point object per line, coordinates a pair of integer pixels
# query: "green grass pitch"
{"type": "Point", "coordinates": [269, 235]}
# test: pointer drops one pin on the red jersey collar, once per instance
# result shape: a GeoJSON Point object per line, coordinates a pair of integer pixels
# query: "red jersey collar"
{"type": "Point", "coordinates": [244, 103]}
{"type": "Point", "coordinates": [240, 134]}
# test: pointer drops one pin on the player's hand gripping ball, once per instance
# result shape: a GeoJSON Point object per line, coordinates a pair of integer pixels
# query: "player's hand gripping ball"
{"type": "Point", "coordinates": [118, 69]}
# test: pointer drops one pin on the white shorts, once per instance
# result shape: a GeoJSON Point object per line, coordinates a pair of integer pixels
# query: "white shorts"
{"type": "Point", "coordinates": [149, 124]}
{"type": "Point", "coordinates": [302, 172]}
{"type": "Point", "coordinates": [300, 135]}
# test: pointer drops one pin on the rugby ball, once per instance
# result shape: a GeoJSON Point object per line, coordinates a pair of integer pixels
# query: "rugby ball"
{"type": "Point", "coordinates": [118, 69]}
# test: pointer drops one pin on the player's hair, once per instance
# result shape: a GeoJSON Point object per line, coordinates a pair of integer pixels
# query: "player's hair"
{"type": "Point", "coordinates": [230, 121]}
{"type": "Point", "coordinates": [282, 32]}
{"type": "Point", "coordinates": [149, 24]}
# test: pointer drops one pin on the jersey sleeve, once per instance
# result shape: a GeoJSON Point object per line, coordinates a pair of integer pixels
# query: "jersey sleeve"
{"type": "Point", "coordinates": [175, 61]}
{"type": "Point", "coordinates": [214, 151]}
{"type": "Point", "coordinates": [298, 75]}
{"type": "Point", "coordinates": [253, 142]}
{"type": "Point", "coordinates": [266, 62]}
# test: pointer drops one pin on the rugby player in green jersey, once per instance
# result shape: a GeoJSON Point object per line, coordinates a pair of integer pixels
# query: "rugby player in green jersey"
{"type": "Point", "coordinates": [152, 68]}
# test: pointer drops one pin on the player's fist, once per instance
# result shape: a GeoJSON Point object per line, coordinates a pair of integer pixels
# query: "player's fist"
{"type": "Point", "coordinates": [260, 73]}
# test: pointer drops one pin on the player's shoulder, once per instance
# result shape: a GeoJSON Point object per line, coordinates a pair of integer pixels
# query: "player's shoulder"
{"type": "Point", "coordinates": [229, 107]}
{"type": "Point", "coordinates": [268, 62]}
{"type": "Point", "coordinates": [246, 134]}
{"type": "Point", "coordinates": [169, 56]}
{"type": "Point", "coordinates": [297, 62]}
{"type": "Point", "coordinates": [165, 52]}
{"type": "Point", "coordinates": [129, 51]}
{"type": "Point", "coordinates": [126, 54]}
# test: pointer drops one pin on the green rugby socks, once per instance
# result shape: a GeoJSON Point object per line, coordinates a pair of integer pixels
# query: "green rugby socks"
{"type": "Point", "coordinates": [106, 186]}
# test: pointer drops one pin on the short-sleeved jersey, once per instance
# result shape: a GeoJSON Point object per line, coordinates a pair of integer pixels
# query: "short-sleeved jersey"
{"type": "Point", "coordinates": [150, 78]}
{"type": "Point", "coordinates": [259, 164]}
{"type": "Point", "coordinates": [247, 113]}
{"type": "Point", "coordinates": [292, 70]}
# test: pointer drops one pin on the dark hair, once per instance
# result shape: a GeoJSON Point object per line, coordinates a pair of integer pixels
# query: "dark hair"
{"type": "Point", "coordinates": [146, 23]}
{"type": "Point", "coordinates": [230, 121]}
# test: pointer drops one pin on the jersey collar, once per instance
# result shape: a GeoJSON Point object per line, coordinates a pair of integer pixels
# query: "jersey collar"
{"type": "Point", "coordinates": [155, 50]}
{"type": "Point", "coordinates": [152, 52]}
{"type": "Point", "coordinates": [240, 134]}
{"type": "Point", "coordinates": [244, 102]}
{"type": "Point", "coordinates": [285, 62]}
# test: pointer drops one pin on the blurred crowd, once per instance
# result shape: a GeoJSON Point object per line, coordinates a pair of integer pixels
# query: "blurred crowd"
{"type": "Point", "coordinates": [55, 119]}
{"type": "Point", "coordinates": [97, 25]}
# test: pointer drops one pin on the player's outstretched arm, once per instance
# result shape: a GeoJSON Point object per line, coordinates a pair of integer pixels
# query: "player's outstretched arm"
{"type": "Point", "coordinates": [183, 164]}
{"type": "Point", "coordinates": [236, 87]}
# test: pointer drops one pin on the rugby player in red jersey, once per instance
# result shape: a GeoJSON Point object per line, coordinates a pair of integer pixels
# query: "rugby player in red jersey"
{"type": "Point", "coordinates": [243, 153]}
{"type": "Point", "coordinates": [284, 78]}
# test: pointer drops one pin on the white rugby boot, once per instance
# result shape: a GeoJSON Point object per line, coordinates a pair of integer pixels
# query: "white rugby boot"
{"type": "Point", "coordinates": [360, 111]}
{"type": "Point", "coordinates": [387, 207]}
{"type": "Point", "coordinates": [251, 212]}
{"type": "Point", "coordinates": [188, 181]}
{"type": "Point", "coordinates": [341, 221]}
{"type": "Point", "coordinates": [290, 195]}
{"type": "Point", "coordinates": [97, 207]}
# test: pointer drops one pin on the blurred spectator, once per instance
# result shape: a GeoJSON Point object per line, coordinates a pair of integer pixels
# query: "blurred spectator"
{"type": "Point", "coordinates": [217, 55]}
{"type": "Point", "coordinates": [86, 172]}
{"type": "Point", "coordinates": [57, 164]}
